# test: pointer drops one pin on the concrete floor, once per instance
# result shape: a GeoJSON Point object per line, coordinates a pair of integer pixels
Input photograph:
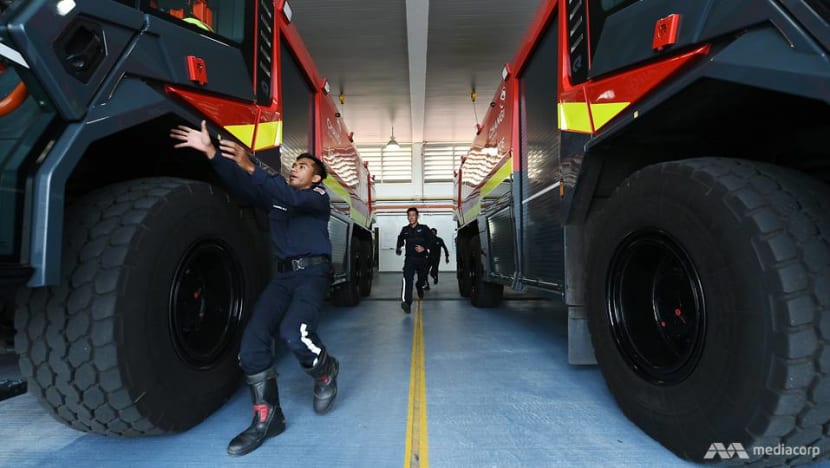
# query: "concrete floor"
{"type": "Point", "coordinates": [499, 392]}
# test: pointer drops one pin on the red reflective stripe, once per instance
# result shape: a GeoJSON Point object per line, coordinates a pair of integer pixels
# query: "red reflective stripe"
{"type": "Point", "coordinates": [262, 411]}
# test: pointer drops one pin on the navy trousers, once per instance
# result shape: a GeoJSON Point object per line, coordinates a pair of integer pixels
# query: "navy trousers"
{"type": "Point", "coordinates": [411, 265]}
{"type": "Point", "coordinates": [288, 308]}
{"type": "Point", "coordinates": [434, 261]}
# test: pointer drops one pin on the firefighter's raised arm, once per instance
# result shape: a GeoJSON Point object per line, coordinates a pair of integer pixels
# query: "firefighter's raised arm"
{"type": "Point", "coordinates": [235, 176]}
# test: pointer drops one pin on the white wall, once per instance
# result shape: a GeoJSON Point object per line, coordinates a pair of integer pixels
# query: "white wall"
{"type": "Point", "coordinates": [389, 223]}
{"type": "Point", "coordinates": [389, 226]}
{"type": "Point", "coordinates": [412, 191]}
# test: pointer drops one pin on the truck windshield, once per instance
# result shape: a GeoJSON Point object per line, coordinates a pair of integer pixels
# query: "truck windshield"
{"type": "Point", "coordinates": [225, 18]}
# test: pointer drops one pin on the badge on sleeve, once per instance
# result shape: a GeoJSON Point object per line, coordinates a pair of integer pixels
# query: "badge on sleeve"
{"type": "Point", "coordinates": [320, 190]}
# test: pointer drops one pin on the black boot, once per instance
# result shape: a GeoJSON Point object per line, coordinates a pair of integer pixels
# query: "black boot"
{"type": "Point", "coordinates": [325, 382]}
{"type": "Point", "coordinates": [268, 418]}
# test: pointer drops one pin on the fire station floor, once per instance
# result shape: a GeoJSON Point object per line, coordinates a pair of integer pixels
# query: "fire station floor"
{"type": "Point", "coordinates": [495, 389]}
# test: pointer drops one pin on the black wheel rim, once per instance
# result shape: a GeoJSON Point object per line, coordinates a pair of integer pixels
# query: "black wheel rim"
{"type": "Point", "coordinates": [656, 307]}
{"type": "Point", "coordinates": [206, 298]}
{"type": "Point", "coordinates": [472, 271]}
{"type": "Point", "coordinates": [356, 273]}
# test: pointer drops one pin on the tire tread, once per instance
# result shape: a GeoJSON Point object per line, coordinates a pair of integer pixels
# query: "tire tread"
{"type": "Point", "coordinates": [74, 372]}
{"type": "Point", "coordinates": [787, 214]}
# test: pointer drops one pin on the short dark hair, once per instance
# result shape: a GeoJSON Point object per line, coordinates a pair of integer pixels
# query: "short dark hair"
{"type": "Point", "coordinates": [412, 209]}
{"type": "Point", "coordinates": [319, 167]}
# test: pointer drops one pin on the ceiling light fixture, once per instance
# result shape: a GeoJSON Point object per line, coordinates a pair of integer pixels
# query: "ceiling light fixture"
{"type": "Point", "coordinates": [392, 145]}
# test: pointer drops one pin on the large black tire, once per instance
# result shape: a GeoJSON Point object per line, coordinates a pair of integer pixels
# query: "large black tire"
{"type": "Point", "coordinates": [368, 268]}
{"type": "Point", "coordinates": [142, 334]}
{"type": "Point", "coordinates": [482, 293]}
{"type": "Point", "coordinates": [462, 273]}
{"type": "Point", "coordinates": [709, 306]}
{"type": "Point", "coordinates": [347, 294]}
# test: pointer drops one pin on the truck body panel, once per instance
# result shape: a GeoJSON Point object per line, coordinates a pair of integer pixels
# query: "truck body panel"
{"type": "Point", "coordinates": [139, 63]}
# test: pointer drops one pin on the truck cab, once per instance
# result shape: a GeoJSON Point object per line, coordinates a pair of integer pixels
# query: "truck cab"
{"type": "Point", "coordinates": [127, 268]}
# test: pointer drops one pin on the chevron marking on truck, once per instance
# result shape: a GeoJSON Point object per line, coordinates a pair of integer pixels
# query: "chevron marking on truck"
{"type": "Point", "coordinates": [574, 117]}
{"type": "Point", "coordinates": [269, 135]}
{"type": "Point", "coordinates": [602, 113]}
{"type": "Point", "coordinates": [244, 133]}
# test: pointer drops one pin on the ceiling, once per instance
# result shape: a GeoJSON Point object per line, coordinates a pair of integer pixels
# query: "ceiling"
{"type": "Point", "coordinates": [412, 63]}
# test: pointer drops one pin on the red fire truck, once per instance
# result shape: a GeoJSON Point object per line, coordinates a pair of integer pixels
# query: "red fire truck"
{"type": "Point", "coordinates": [127, 268]}
{"type": "Point", "coordinates": [662, 168]}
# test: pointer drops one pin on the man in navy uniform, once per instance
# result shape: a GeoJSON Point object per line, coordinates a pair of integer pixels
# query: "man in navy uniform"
{"type": "Point", "coordinates": [435, 256]}
{"type": "Point", "coordinates": [289, 307]}
{"type": "Point", "coordinates": [417, 238]}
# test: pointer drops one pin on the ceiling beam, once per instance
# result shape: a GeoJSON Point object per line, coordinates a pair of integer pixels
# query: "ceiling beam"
{"type": "Point", "coordinates": [417, 31]}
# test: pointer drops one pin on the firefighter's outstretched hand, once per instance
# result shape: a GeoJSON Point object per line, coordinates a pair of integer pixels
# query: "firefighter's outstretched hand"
{"type": "Point", "coordinates": [448, 259]}
{"type": "Point", "coordinates": [235, 151]}
{"type": "Point", "coordinates": [193, 138]}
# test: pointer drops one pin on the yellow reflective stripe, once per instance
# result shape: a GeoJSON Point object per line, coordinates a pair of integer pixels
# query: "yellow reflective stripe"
{"type": "Point", "coordinates": [573, 116]}
{"type": "Point", "coordinates": [504, 172]}
{"type": "Point", "coordinates": [198, 23]}
{"type": "Point", "coordinates": [335, 187]}
{"type": "Point", "coordinates": [498, 177]}
{"type": "Point", "coordinates": [344, 194]}
{"type": "Point", "coordinates": [357, 217]}
{"type": "Point", "coordinates": [603, 112]}
{"type": "Point", "coordinates": [268, 135]}
{"type": "Point", "coordinates": [473, 212]}
{"type": "Point", "coordinates": [243, 133]}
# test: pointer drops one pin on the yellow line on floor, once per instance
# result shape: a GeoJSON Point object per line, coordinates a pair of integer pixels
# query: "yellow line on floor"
{"type": "Point", "coordinates": [417, 447]}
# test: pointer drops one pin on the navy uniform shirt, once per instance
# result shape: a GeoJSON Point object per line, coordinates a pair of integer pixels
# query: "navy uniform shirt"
{"type": "Point", "coordinates": [418, 235]}
{"type": "Point", "coordinates": [299, 219]}
{"type": "Point", "coordinates": [435, 247]}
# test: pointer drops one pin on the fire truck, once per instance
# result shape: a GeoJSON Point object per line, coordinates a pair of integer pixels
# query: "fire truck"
{"type": "Point", "coordinates": [126, 267]}
{"type": "Point", "coordinates": [661, 167]}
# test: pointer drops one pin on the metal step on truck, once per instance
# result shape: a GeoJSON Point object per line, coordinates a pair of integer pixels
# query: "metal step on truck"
{"type": "Point", "coordinates": [662, 168]}
{"type": "Point", "coordinates": [126, 268]}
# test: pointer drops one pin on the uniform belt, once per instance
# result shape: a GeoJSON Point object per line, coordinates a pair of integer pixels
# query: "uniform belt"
{"type": "Point", "coordinates": [300, 263]}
